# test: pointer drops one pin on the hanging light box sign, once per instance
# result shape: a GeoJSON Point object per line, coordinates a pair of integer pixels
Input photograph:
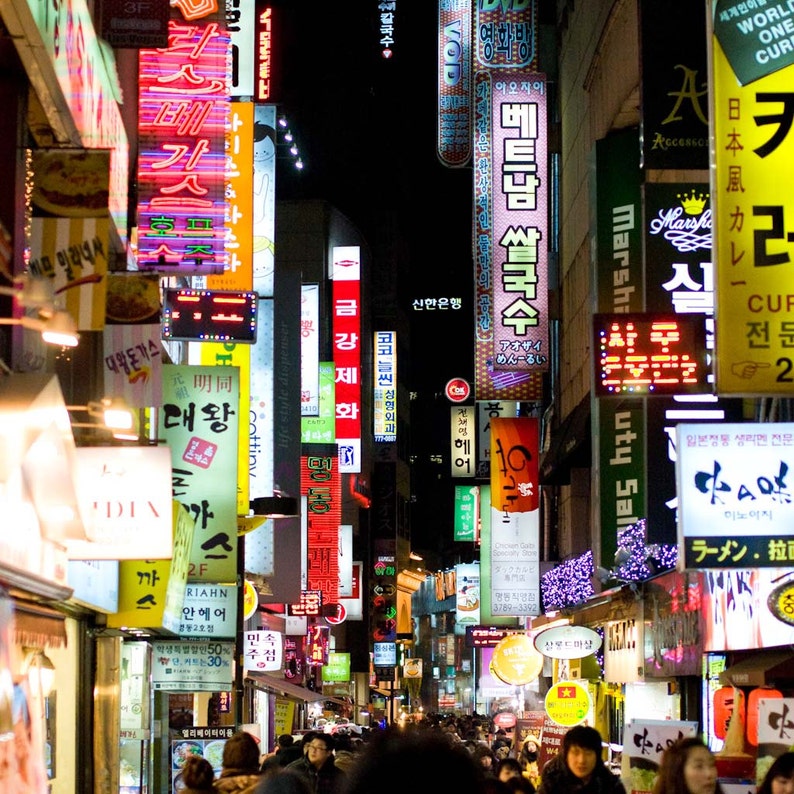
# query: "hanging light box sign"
{"type": "Point", "coordinates": [196, 315]}
{"type": "Point", "coordinates": [646, 355]}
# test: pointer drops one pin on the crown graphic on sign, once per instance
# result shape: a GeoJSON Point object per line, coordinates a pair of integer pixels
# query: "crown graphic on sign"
{"type": "Point", "coordinates": [693, 202]}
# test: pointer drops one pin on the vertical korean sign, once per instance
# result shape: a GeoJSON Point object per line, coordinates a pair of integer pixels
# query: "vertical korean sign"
{"type": "Point", "coordinates": [519, 239]}
{"type": "Point", "coordinates": [321, 485]}
{"type": "Point", "coordinates": [183, 125]}
{"type": "Point", "coordinates": [515, 517]}
{"type": "Point", "coordinates": [346, 275]}
{"type": "Point", "coordinates": [753, 202]}
{"type": "Point", "coordinates": [198, 421]}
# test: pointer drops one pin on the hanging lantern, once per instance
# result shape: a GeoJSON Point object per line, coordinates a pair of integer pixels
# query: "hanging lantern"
{"type": "Point", "coordinates": [752, 710]}
{"type": "Point", "coordinates": [725, 699]}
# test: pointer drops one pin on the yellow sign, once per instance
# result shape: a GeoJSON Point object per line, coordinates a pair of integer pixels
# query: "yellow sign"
{"type": "Point", "coordinates": [515, 660]}
{"type": "Point", "coordinates": [753, 232]}
{"type": "Point", "coordinates": [567, 703]}
{"type": "Point", "coordinates": [250, 600]}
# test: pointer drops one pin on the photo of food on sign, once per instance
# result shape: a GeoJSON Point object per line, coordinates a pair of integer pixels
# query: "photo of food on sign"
{"type": "Point", "coordinates": [132, 299]}
{"type": "Point", "coordinates": [70, 184]}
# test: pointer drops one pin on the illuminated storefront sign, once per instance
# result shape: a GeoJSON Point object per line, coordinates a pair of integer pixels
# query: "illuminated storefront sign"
{"type": "Point", "coordinates": [519, 240]}
{"type": "Point", "coordinates": [650, 354]}
{"type": "Point", "coordinates": [321, 485]}
{"type": "Point", "coordinates": [734, 498]}
{"type": "Point", "coordinates": [515, 517]}
{"type": "Point", "coordinates": [183, 124]}
{"type": "Point", "coordinates": [346, 274]}
{"type": "Point", "coordinates": [454, 82]}
{"type": "Point", "coordinates": [384, 402]}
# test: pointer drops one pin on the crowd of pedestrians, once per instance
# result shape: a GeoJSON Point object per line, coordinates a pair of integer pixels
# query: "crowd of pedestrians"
{"type": "Point", "coordinates": [434, 755]}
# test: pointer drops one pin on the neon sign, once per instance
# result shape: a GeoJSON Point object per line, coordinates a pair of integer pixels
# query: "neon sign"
{"type": "Point", "coordinates": [184, 117]}
{"type": "Point", "coordinates": [650, 354]}
{"type": "Point", "coordinates": [201, 315]}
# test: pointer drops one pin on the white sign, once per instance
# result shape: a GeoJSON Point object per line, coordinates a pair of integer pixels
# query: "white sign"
{"type": "Point", "coordinates": [644, 742]}
{"type": "Point", "coordinates": [567, 642]}
{"type": "Point", "coordinates": [209, 610]}
{"type": "Point", "coordinates": [263, 651]}
{"type": "Point", "coordinates": [735, 506]}
{"type": "Point", "coordinates": [126, 500]}
{"type": "Point", "coordinates": [463, 441]}
{"type": "Point", "coordinates": [185, 666]}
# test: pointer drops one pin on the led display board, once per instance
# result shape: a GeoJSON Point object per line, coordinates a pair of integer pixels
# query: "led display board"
{"type": "Point", "coordinates": [650, 354]}
{"type": "Point", "coordinates": [200, 315]}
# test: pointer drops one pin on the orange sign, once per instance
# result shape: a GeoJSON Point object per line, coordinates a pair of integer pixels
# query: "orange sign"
{"type": "Point", "coordinates": [516, 661]}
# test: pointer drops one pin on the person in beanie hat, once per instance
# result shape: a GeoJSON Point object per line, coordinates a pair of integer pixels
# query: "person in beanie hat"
{"type": "Point", "coordinates": [579, 767]}
{"type": "Point", "coordinates": [240, 765]}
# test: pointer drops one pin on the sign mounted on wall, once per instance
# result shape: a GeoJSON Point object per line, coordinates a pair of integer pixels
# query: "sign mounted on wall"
{"type": "Point", "coordinates": [200, 315]}
{"type": "Point", "coordinates": [642, 355]}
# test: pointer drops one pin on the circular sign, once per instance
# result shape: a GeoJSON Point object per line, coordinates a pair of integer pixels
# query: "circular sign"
{"type": "Point", "coordinates": [567, 703]}
{"type": "Point", "coordinates": [457, 390]}
{"type": "Point", "coordinates": [339, 617]}
{"type": "Point", "coordinates": [568, 642]}
{"type": "Point", "coordinates": [515, 660]}
{"type": "Point", "coordinates": [250, 600]}
{"type": "Point", "coordinates": [780, 602]}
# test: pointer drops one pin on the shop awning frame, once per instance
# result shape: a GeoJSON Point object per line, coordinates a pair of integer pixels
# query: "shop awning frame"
{"type": "Point", "coordinates": [282, 687]}
{"type": "Point", "coordinates": [763, 668]}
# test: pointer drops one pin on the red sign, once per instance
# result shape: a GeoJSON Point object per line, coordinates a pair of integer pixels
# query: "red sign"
{"type": "Point", "coordinates": [322, 486]}
{"type": "Point", "coordinates": [458, 390]}
{"type": "Point", "coordinates": [339, 617]}
{"type": "Point", "coordinates": [184, 109]}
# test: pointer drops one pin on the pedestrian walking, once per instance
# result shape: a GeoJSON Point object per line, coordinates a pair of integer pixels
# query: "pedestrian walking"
{"type": "Point", "coordinates": [282, 754]}
{"type": "Point", "coordinates": [197, 775]}
{"type": "Point", "coordinates": [317, 765]}
{"type": "Point", "coordinates": [579, 767]}
{"type": "Point", "coordinates": [422, 761]}
{"type": "Point", "coordinates": [239, 766]}
{"type": "Point", "coordinates": [687, 767]}
{"type": "Point", "coordinates": [779, 778]}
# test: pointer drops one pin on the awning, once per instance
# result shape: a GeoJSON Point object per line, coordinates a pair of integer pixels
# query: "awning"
{"type": "Point", "coordinates": [570, 447]}
{"type": "Point", "coordinates": [280, 686]}
{"type": "Point", "coordinates": [38, 626]}
{"type": "Point", "coordinates": [761, 669]}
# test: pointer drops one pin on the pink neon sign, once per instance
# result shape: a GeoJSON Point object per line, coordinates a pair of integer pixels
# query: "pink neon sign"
{"type": "Point", "coordinates": [183, 122]}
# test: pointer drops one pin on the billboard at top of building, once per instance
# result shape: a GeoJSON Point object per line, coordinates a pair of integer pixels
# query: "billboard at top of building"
{"type": "Point", "coordinates": [183, 126]}
{"type": "Point", "coordinates": [753, 206]}
{"type": "Point", "coordinates": [506, 32]}
{"type": "Point", "coordinates": [453, 119]}
{"type": "Point", "coordinates": [735, 505]}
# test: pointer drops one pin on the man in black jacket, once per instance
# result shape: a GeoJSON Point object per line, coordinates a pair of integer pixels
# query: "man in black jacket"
{"type": "Point", "coordinates": [318, 767]}
{"type": "Point", "coordinates": [579, 768]}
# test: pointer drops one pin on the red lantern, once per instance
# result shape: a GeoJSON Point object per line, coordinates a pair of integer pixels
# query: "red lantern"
{"type": "Point", "coordinates": [752, 710]}
{"type": "Point", "coordinates": [726, 698]}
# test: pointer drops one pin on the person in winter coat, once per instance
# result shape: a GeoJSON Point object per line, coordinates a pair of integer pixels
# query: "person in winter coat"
{"type": "Point", "coordinates": [240, 765]}
{"type": "Point", "coordinates": [318, 766]}
{"type": "Point", "coordinates": [197, 775]}
{"type": "Point", "coordinates": [579, 767]}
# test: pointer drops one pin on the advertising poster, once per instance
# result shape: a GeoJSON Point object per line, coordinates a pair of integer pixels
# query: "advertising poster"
{"type": "Point", "coordinates": [644, 742]}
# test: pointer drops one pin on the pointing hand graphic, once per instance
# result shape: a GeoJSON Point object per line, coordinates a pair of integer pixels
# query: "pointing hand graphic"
{"type": "Point", "coordinates": [747, 369]}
